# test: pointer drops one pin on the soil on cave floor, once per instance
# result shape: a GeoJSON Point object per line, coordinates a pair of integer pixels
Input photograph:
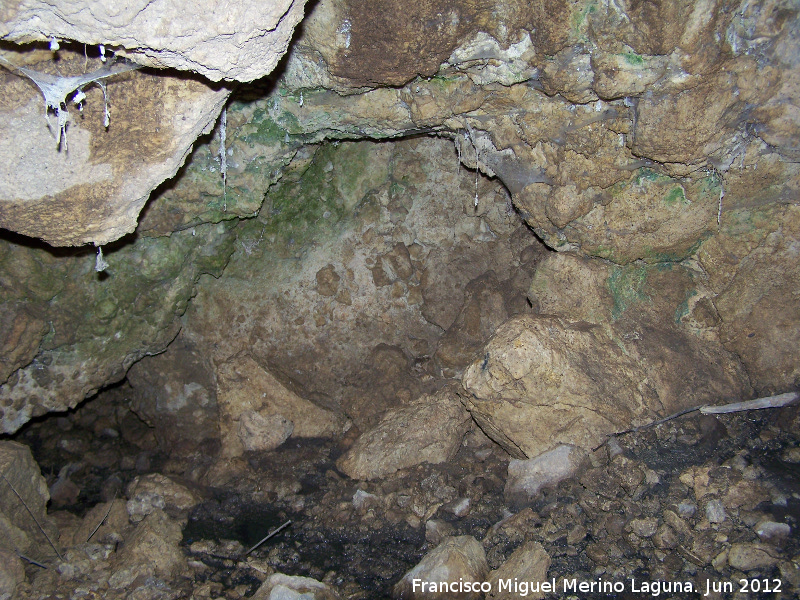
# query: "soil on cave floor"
{"type": "Point", "coordinates": [646, 505]}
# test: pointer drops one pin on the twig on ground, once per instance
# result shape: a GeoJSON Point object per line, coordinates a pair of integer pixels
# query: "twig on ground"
{"type": "Point", "coordinates": [30, 512]}
{"type": "Point", "coordinates": [103, 520]}
{"type": "Point", "coordinates": [269, 535]}
{"type": "Point", "coordinates": [30, 560]}
{"type": "Point", "coordinates": [778, 401]}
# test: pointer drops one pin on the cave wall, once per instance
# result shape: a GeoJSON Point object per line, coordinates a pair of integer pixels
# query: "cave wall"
{"type": "Point", "coordinates": [639, 140]}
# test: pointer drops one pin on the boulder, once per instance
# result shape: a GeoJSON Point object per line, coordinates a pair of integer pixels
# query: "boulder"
{"type": "Point", "coordinates": [24, 525]}
{"type": "Point", "coordinates": [545, 380]}
{"type": "Point", "coordinates": [455, 561]}
{"type": "Point", "coordinates": [527, 564]}
{"type": "Point", "coordinates": [242, 40]}
{"type": "Point", "coordinates": [292, 587]}
{"type": "Point", "coordinates": [429, 430]}
{"type": "Point", "coordinates": [244, 388]}
{"type": "Point", "coordinates": [88, 183]}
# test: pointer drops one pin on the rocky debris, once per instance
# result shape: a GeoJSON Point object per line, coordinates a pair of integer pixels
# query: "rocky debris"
{"type": "Point", "coordinates": [637, 510]}
{"type": "Point", "coordinates": [24, 525]}
{"type": "Point", "coordinates": [527, 477]}
{"type": "Point", "coordinates": [152, 549]}
{"type": "Point", "coordinates": [105, 523]}
{"type": "Point", "coordinates": [429, 430]}
{"type": "Point", "coordinates": [528, 564]}
{"type": "Point", "coordinates": [453, 561]}
{"type": "Point", "coordinates": [286, 587]}
{"type": "Point", "coordinates": [244, 43]}
{"type": "Point", "coordinates": [244, 387]}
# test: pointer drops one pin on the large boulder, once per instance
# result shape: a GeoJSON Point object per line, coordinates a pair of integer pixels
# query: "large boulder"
{"type": "Point", "coordinates": [24, 525]}
{"type": "Point", "coordinates": [83, 182]}
{"type": "Point", "coordinates": [241, 40]}
{"type": "Point", "coordinates": [429, 430]}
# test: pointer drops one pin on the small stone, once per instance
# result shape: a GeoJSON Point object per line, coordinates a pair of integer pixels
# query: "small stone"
{"type": "Point", "coordinates": [527, 477]}
{"type": "Point", "coordinates": [287, 587]}
{"type": "Point", "coordinates": [436, 530]}
{"type": "Point", "coordinates": [751, 556]}
{"type": "Point", "coordinates": [363, 501]}
{"type": "Point", "coordinates": [455, 558]}
{"type": "Point", "coordinates": [715, 511]}
{"type": "Point", "coordinates": [665, 537]}
{"type": "Point", "coordinates": [770, 531]}
{"type": "Point", "coordinates": [644, 527]}
{"type": "Point", "coordinates": [459, 507]}
{"type": "Point", "coordinates": [529, 562]}
{"type": "Point", "coordinates": [686, 510]}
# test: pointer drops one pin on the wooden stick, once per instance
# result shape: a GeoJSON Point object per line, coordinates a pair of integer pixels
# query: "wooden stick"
{"type": "Point", "coordinates": [778, 401]}
{"type": "Point", "coordinates": [769, 402]}
{"type": "Point", "coordinates": [110, 505]}
{"type": "Point", "coordinates": [269, 535]}
{"type": "Point", "coordinates": [30, 512]}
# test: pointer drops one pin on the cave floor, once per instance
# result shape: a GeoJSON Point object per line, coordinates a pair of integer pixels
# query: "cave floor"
{"type": "Point", "coordinates": [667, 503]}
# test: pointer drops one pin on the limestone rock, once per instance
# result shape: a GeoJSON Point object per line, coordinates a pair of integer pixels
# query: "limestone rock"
{"type": "Point", "coordinates": [153, 549]}
{"type": "Point", "coordinates": [747, 556]}
{"type": "Point", "coordinates": [528, 563]}
{"type": "Point", "coordinates": [259, 433]}
{"type": "Point", "coordinates": [243, 41]}
{"type": "Point", "coordinates": [430, 429]}
{"type": "Point", "coordinates": [482, 312]}
{"type": "Point", "coordinates": [527, 477]}
{"type": "Point", "coordinates": [12, 573]}
{"type": "Point", "coordinates": [97, 327]}
{"type": "Point", "coordinates": [243, 387]}
{"type": "Point", "coordinates": [544, 381]}
{"type": "Point", "coordinates": [22, 485]}
{"type": "Point", "coordinates": [456, 558]}
{"type": "Point", "coordinates": [175, 393]}
{"type": "Point", "coordinates": [175, 497]}
{"type": "Point", "coordinates": [662, 315]}
{"type": "Point", "coordinates": [754, 267]}
{"type": "Point", "coordinates": [91, 187]}
{"type": "Point", "coordinates": [292, 587]}
{"type": "Point", "coordinates": [114, 523]}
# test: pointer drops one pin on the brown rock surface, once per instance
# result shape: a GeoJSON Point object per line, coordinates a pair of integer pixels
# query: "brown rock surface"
{"type": "Point", "coordinates": [91, 187]}
{"type": "Point", "coordinates": [428, 430]}
{"type": "Point", "coordinates": [23, 498]}
{"type": "Point", "coordinates": [455, 559]}
{"type": "Point", "coordinates": [244, 386]}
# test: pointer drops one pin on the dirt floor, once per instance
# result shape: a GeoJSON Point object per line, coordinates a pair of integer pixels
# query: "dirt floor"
{"type": "Point", "coordinates": [700, 499]}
